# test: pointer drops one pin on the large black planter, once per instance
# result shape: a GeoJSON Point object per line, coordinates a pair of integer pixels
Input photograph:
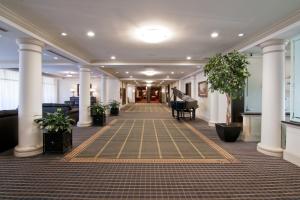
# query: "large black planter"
{"type": "Point", "coordinates": [59, 142]}
{"type": "Point", "coordinates": [99, 120]}
{"type": "Point", "coordinates": [228, 133]}
{"type": "Point", "coordinates": [114, 111]}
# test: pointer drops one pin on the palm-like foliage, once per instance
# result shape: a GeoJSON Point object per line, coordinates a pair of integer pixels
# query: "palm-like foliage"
{"type": "Point", "coordinates": [55, 122]}
{"type": "Point", "coordinates": [227, 74]}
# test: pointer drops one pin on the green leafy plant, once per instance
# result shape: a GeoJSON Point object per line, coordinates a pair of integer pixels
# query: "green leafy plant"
{"type": "Point", "coordinates": [56, 122]}
{"type": "Point", "coordinates": [98, 109]}
{"type": "Point", "coordinates": [227, 74]}
{"type": "Point", "coordinates": [114, 104]}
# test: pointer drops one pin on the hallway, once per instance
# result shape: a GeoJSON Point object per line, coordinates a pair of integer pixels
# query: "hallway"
{"type": "Point", "coordinates": [149, 141]}
{"type": "Point", "coordinates": [254, 176]}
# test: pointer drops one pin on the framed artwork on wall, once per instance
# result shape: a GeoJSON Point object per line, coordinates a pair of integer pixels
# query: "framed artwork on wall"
{"type": "Point", "coordinates": [203, 89]}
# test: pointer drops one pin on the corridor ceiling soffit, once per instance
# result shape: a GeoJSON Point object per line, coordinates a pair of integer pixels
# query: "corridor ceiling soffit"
{"type": "Point", "coordinates": [192, 22]}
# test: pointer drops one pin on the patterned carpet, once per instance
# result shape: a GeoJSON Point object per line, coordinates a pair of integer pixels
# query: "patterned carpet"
{"type": "Point", "coordinates": [146, 107]}
{"type": "Point", "coordinates": [149, 141]}
{"type": "Point", "coordinates": [255, 176]}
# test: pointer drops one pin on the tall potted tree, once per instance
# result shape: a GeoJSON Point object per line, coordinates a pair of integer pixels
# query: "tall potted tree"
{"type": "Point", "coordinates": [98, 113]}
{"type": "Point", "coordinates": [227, 74]}
{"type": "Point", "coordinates": [57, 131]}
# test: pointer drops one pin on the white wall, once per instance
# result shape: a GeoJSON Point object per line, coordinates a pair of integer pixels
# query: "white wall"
{"type": "Point", "coordinates": [203, 102]}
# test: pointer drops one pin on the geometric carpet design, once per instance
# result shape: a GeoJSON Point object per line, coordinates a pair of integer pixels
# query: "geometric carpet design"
{"type": "Point", "coordinates": [149, 141]}
{"type": "Point", "coordinates": [146, 107]}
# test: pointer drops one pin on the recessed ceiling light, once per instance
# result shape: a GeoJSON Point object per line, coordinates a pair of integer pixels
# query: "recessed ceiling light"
{"type": "Point", "coordinates": [127, 72]}
{"type": "Point", "coordinates": [214, 35]}
{"type": "Point", "coordinates": [241, 34]}
{"type": "Point", "coordinates": [102, 66]}
{"type": "Point", "coordinates": [113, 57]}
{"type": "Point", "coordinates": [172, 72]}
{"type": "Point", "coordinates": [149, 81]}
{"type": "Point", "coordinates": [64, 34]}
{"type": "Point", "coordinates": [68, 75]}
{"type": "Point", "coordinates": [90, 34]}
{"type": "Point", "coordinates": [153, 34]}
{"type": "Point", "coordinates": [55, 58]}
{"type": "Point", "coordinates": [188, 57]}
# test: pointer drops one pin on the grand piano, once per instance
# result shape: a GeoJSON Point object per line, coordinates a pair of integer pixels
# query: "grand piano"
{"type": "Point", "coordinates": [186, 105]}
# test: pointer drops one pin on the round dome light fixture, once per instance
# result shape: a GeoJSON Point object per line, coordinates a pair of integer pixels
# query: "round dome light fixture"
{"type": "Point", "coordinates": [153, 34]}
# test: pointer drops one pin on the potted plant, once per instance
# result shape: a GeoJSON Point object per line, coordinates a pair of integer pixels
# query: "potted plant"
{"type": "Point", "coordinates": [227, 74]}
{"type": "Point", "coordinates": [57, 131]}
{"type": "Point", "coordinates": [114, 108]}
{"type": "Point", "coordinates": [98, 113]}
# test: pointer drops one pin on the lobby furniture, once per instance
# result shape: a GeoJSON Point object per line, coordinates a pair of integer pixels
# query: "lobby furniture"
{"type": "Point", "coordinates": [73, 113]}
{"type": "Point", "coordinates": [74, 101]}
{"type": "Point", "coordinates": [8, 129]}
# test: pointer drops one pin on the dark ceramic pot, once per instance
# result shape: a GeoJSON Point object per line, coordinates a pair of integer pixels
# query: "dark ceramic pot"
{"type": "Point", "coordinates": [228, 133]}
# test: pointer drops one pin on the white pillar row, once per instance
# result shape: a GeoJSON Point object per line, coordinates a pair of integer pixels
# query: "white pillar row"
{"type": "Point", "coordinates": [104, 89]}
{"type": "Point", "coordinates": [272, 97]}
{"type": "Point", "coordinates": [30, 97]}
{"type": "Point", "coordinates": [84, 97]}
{"type": "Point", "coordinates": [213, 108]}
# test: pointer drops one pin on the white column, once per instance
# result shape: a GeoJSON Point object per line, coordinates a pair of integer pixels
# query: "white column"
{"type": "Point", "coordinates": [272, 97]}
{"type": "Point", "coordinates": [84, 97]}
{"type": "Point", "coordinates": [30, 97]}
{"type": "Point", "coordinates": [104, 89]}
{"type": "Point", "coordinates": [194, 87]}
{"type": "Point", "coordinates": [213, 108]}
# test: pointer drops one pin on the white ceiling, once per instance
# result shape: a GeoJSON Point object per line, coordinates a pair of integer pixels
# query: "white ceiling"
{"type": "Point", "coordinates": [192, 22]}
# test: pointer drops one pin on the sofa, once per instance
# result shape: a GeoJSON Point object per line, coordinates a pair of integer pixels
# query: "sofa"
{"type": "Point", "coordinates": [73, 113]}
{"type": "Point", "coordinates": [8, 129]}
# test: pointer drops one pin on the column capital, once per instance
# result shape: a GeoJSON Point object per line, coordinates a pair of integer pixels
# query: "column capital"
{"type": "Point", "coordinates": [84, 68]}
{"type": "Point", "coordinates": [273, 45]}
{"type": "Point", "coordinates": [33, 41]}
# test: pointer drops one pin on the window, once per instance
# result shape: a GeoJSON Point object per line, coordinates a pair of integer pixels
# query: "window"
{"type": "Point", "coordinates": [295, 82]}
{"type": "Point", "coordinates": [49, 90]}
{"type": "Point", "coordinates": [9, 89]}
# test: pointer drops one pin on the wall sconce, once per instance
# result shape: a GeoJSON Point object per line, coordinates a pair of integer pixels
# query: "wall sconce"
{"type": "Point", "coordinates": [73, 91]}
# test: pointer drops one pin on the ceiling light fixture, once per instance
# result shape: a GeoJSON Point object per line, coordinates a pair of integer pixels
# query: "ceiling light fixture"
{"type": "Point", "coordinates": [127, 72]}
{"type": "Point", "coordinates": [102, 66]}
{"type": "Point", "coordinates": [90, 34]}
{"type": "Point", "coordinates": [64, 34]}
{"type": "Point", "coordinates": [55, 58]}
{"type": "Point", "coordinates": [188, 57]}
{"type": "Point", "coordinates": [113, 57]}
{"type": "Point", "coordinates": [150, 72]}
{"type": "Point", "coordinates": [149, 81]}
{"type": "Point", "coordinates": [172, 72]}
{"type": "Point", "coordinates": [214, 35]}
{"type": "Point", "coordinates": [68, 75]}
{"type": "Point", "coordinates": [241, 34]}
{"type": "Point", "coordinates": [153, 34]}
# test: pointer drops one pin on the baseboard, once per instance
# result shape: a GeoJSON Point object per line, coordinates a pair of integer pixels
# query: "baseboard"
{"type": "Point", "coordinates": [290, 157]}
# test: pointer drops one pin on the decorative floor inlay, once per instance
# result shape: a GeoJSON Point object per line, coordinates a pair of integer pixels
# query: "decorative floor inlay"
{"type": "Point", "coordinates": [149, 141]}
{"type": "Point", "coordinates": [147, 107]}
